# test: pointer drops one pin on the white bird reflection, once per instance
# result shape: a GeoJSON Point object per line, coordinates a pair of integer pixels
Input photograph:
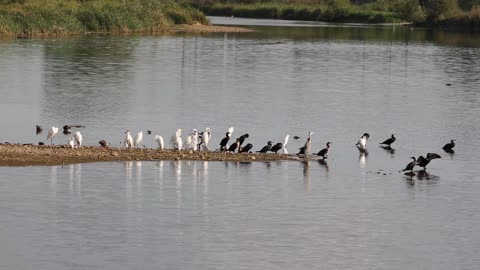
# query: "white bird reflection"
{"type": "Point", "coordinates": [306, 174]}
{"type": "Point", "coordinates": [362, 159]}
{"type": "Point", "coordinates": [75, 179]}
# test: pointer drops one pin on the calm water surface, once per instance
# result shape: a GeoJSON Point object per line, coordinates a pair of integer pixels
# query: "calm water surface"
{"type": "Point", "coordinates": [353, 212]}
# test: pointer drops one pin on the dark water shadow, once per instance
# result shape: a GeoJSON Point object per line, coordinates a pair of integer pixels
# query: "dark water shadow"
{"type": "Point", "coordinates": [388, 149]}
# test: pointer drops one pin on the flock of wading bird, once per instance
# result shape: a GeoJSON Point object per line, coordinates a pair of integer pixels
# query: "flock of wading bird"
{"type": "Point", "coordinates": [199, 141]}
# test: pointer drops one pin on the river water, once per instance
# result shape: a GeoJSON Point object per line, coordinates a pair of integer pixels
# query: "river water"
{"type": "Point", "coordinates": [352, 212]}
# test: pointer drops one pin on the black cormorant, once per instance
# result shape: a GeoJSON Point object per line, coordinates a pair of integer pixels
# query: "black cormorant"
{"type": "Point", "coordinates": [234, 146]}
{"type": "Point", "coordinates": [246, 148]}
{"type": "Point", "coordinates": [410, 165]}
{"type": "Point", "coordinates": [242, 138]}
{"type": "Point", "coordinates": [276, 147]}
{"type": "Point", "coordinates": [224, 141]}
{"type": "Point", "coordinates": [322, 153]}
{"type": "Point", "coordinates": [39, 129]}
{"type": "Point", "coordinates": [449, 146]}
{"type": "Point", "coordinates": [266, 147]}
{"type": "Point", "coordinates": [423, 162]}
{"type": "Point", "coordinates": [390, 140]}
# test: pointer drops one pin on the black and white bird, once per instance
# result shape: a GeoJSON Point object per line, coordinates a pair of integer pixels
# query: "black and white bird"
{"type": "Point", "coordinates": [323, 153]}
{"type": "Point", "coordinates": [308, 146]}
{"type": "Point", "coordinates": [424, 161]}
{"type": "Point", "coordinates": [266, 148]}
{"type": "Point", "coordinates": [234, 146]}
{"type": "Point", "coordinates": [246, 148]}
{"type": "Point", "coordinates": [410, 165]}
{"type": "Point", "coordinates": [224, 142]}
{"type": "Point", "coordinates": [276, 148]}
{"type": "Point", "coordinates": [362, 143]}
{"type": "Point", "coordinates": [449, 146]}
{"type": "Point", "coordinates": [389, 141]}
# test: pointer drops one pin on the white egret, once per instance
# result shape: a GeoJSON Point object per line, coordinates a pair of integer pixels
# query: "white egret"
{"type": "Point", "coordinates": [285, 141]}
{"type": "Point", "coordinates": [128, 141]}
{"type": "Point", "coordinates": [138, 138]}
{"type": "Point", "coordinates": [207, 135]}
{"type": "Point", "coordinates": [51, 133]}
{"type": "Point", "coordinates": [191, 142]}
{"type": "Point", "coordinates": [71, 142]}
{"type": "Point", "coordinates": [176, 140]}
{"type": "Point", "coordinates": [78, 138]}
{"type": "Point", "coordinates": [159, 140]}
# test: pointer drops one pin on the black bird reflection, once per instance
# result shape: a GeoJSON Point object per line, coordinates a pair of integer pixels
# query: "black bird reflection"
{"type": "Point", "coordinates": [388, 149]}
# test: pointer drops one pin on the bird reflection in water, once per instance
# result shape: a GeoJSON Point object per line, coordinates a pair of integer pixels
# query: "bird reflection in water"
{"type": "Point", "coordinates": [409, 180]}
{"type": "Point", "coordinates": [424, 175]}
{"type": "Point", "coordinates": [323, 163]}
{"type": "Point", "coordinates": [306, 174]}
{"type": "Point", "coordinates": [388, 149]}
{"type": "Point", "coordinates": [138, 173]}
{"type": "Point", "coordinates": [128, 169]}
{"type": "Point", "coordinates": [363, 158]}
{"type": "Point", "coordinates": [75, 178]}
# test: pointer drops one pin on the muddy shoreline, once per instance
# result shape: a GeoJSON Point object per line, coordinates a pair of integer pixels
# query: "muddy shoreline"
{"type": "Point", "coordinates": [35, 155]}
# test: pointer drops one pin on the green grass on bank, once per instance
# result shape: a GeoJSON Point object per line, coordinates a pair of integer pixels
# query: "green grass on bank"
{"type": "Point", "coordinates": [71, 16]}
{"type": "Point", "coordinates": [420, 12]}
{"type": "Point", "coordinates": [328, 13]}
{"type": "Point", "coordinates": [333, 12]}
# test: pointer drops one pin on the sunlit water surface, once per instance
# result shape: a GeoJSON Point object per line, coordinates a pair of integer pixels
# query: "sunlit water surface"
{"type": "Point", "coordinates": [352, 212]}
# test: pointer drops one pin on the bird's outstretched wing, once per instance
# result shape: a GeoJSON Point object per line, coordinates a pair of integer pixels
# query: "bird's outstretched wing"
{"type": "Point", "coordinates": [433, 156]}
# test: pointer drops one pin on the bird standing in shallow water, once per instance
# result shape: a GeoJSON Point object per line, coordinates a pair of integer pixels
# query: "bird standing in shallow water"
{"type": "Point", "coordinates": [423, 162]}
{"type": "Point", "coordinates": [51, 133]}
{"type": "Point", "coordinates": [322, 153]}
{"type": "Point", "coordinates": [449, 146]}
{"type": "Point", "coordinates": [389, 141]}
{"type": "Point", "coordinates": [362, 143]}
{"type": "Point", "coordinates": [410, 165]}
